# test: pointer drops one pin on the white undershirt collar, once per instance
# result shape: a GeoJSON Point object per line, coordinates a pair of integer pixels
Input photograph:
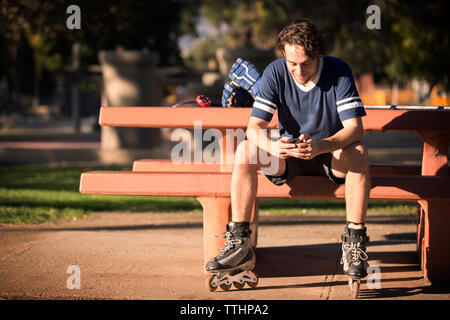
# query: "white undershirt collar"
{"type": "Point", "coordinates": [312, 83]}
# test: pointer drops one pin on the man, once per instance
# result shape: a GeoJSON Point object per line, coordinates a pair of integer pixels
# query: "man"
{"type": "Point", "coordinates": [319, 112]}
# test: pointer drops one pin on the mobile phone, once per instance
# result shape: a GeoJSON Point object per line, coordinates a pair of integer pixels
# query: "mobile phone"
{"type": "Point", "coordinates": [291, 141]}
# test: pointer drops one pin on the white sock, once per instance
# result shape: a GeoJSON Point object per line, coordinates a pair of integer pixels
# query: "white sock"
{"type": "Point", "coordinates": [352, 225]}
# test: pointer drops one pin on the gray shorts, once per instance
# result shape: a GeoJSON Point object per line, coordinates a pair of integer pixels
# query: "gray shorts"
{"type": "Point", "coordinates": [318, 166]}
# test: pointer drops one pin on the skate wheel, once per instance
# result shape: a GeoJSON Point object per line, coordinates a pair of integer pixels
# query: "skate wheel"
{"type": "Point", "coordinates": [253, 284]}
{"type": "Point", "coordinates": [209, 283]}
{"type": "Point", "coordinates": [225, 286]}
{"type": "Point", "coordinates": [238, 285]}
{"type": "Point", "coordinates": [354, 287]}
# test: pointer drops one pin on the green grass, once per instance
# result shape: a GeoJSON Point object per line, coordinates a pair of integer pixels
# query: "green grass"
{"type": "Point", "coordinates": [43, 193]}
{"type": "Point", "coordinates": [334, 207]}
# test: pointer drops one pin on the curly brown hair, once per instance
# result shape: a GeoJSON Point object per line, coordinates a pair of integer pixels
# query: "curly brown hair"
{"type": "Point", "coordinates": [302, 33]}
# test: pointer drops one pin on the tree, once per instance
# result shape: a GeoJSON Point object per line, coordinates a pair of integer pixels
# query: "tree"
{"type": "Point", "coordinates": [413, 40]}
{"type": "Point", "coordinates": [253, 23]}
{"type": "Point", "coordinates": [105, 24]}
{"type": "Point", "coordinates": [420, 41]}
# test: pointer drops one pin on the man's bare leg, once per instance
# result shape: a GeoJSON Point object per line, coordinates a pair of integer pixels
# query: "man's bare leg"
{"type": "Point", "coordinates": [244, 180]}
{"type": "Point", "coordinates": [236, 260]}
{"type": "Point", "coordinates": [353, 162]}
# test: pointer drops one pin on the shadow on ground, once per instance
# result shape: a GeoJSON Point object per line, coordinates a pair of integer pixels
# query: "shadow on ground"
{"type": "Point", "coordinates": [324, 260]}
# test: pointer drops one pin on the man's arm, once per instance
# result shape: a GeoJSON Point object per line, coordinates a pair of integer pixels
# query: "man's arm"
{"type": "Point", "coordinates": [308, 148]}
{"type": "Point", "coordinates": [352, 132]}
{"type": "Point", "coordinates": [257, 134]}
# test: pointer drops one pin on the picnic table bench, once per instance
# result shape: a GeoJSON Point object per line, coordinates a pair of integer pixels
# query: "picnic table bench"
{"type": "Point", "coordinates": [428, 184]}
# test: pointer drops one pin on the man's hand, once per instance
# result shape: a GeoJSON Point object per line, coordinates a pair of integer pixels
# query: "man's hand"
{"type": "Point", "coordinates": [283, 147]}
{"type": "Point", "coordinates": [304, 147]}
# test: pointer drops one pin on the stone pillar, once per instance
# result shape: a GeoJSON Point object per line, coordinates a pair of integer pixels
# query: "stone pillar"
{"type": "Point", "coordinates": [130, 78]}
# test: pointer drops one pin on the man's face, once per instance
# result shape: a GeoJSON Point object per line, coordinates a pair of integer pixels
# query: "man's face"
{"type": "Point", "coordinates": [302, 67]}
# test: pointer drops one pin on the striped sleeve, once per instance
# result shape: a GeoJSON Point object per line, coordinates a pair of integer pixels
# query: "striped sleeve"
{"type": "Point", "coordinates": [263, 109]}
{"type": "Point", "coordinates": [349, 104]}
{"type": "Point", "coordinates": [266, 100]}
{"type": "Point", "coordinates": [351, 107]}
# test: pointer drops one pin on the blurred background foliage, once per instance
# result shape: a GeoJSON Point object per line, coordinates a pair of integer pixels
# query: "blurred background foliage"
{"type": "Point", "coordinates": [412, 42]}
{"type": "Point", "coordinates": [38, 58]}
{"type": "Point", "coordinates": [154, 25]}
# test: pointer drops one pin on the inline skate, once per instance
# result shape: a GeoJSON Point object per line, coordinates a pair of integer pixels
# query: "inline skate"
{"type": "Point", "coordinates": [235, 262]}
{"type": "Point", "coordinates": [354, 257]}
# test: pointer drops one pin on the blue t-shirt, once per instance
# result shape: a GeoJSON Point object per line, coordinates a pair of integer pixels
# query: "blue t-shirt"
{"type": "Point", "coordinates": [317, 109]}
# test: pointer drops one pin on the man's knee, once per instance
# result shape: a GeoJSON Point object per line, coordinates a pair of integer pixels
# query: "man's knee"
{"type": "Point", "coordinates": [246, 153]}
{"type": "Point", "coordinates": [356, 157]}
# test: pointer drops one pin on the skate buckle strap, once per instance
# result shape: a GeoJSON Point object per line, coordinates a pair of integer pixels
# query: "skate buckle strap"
{"type": "Point", "coordinates": [347, 238]}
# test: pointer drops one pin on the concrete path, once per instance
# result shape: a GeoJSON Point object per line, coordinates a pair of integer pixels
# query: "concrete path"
{"type": "Point", "coordinates": [159, 256]}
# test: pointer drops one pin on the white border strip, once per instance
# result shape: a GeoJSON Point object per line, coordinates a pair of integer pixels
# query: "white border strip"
{"type": "Point", "coordinates": [261, 106]}
{"type": "Point", "coordinates": [266, 101]}
{"type": "Point", "coordinates": [351, 105]}
{"type": "Point", "coordinates": [348, 99]}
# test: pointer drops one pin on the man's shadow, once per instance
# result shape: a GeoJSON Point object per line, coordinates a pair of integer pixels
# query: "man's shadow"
{"type": "Point", "coordinates": [295, 261]}
{"type": "Point", "coordinates": [324, 259]}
